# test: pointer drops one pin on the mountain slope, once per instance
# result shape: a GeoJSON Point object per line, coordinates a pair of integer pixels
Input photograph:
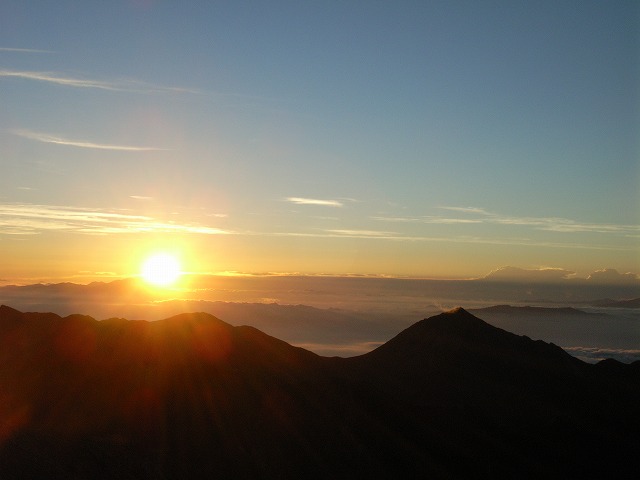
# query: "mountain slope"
{"type": "Point", "coordinates": [193, 397]}
{"type": "Point", "coordinates": [186, 397]}
{"type": "Point", "coordinates": [460, 345]}
{"type": "Point", "coordinates": [568, 327]}
{"type": "Point", "coordinates": [488, 392]}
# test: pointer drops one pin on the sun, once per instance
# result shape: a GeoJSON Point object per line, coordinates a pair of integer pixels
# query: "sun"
{"type": "Point", "coordinates": [161, 269]}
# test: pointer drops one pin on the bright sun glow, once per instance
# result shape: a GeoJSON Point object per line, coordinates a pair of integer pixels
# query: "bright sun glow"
{"type": "Point", "coordinates": [161, 269]}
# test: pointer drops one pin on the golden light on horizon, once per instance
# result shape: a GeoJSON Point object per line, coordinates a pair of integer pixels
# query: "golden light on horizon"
{"type": "Point", "coordinates": [161, 269]}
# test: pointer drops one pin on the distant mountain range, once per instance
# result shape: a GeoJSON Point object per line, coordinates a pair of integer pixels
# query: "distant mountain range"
{"type": "Point", "coordinates": [194, 397]}
{"type": "Point", "coordinates": [608, 303]}
{"type": "Point", "coordinates": [352, 293]}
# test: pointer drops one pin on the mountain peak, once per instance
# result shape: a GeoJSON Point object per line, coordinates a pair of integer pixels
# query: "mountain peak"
{"type": "Point", "coordinates": [449, 326]}
{"type": "Point", "coordinates": [458, 316]}
{"type": "Point", "coordinates": [457, 320]}
{"type": "Point", "coordinates": [457, 338]}
{"type": "Point", "coordinates": [456, 311]}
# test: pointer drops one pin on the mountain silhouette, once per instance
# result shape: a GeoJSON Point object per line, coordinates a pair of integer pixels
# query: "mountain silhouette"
{"type": "Point", "coordinates": [194, 397]}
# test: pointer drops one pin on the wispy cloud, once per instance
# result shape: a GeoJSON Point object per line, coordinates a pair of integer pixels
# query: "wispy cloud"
{"type": "Point", "coordinates": [24, 50]}
{"type": "Point", "coordinates": [481, 211]}
{"type": "Point", "coordinates": [553, 224]}
{"type": "Point", "coordinates": [363, 233]}
{"type": "Point", "coordinates": [314, 201]}
{"type": "Point", "coordinates": [475, 215]}
{"type": "Point", "coordinates": [47, 138]}
{"type": "Point", "coordinates": [123, 85]}
{"type": "Point", "coordinates": [427, 219]}
{"type": "Point", "coordinates": [29, 219]}
{"type": "Point", "coordinates": [50, 77]}
{"type": "Point", "coordinates": [462, 239]}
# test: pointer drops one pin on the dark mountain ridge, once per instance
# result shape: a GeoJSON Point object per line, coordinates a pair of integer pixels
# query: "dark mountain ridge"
{"type": "Point", "coordinates": [194, 397]}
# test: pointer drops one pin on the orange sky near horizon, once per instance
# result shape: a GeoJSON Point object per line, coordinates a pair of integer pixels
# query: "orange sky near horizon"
{"type": "Point", "coordinates": [52, 258]}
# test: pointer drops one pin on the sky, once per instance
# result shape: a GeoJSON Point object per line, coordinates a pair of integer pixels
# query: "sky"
{"type": "Point", "coordinates": [410, 138]}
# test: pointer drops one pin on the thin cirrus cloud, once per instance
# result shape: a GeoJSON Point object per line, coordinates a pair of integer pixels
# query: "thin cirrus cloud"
{"type": "Point", "coordinates": [362, 233]}
{"type": "Point", "coordinates": [481, 216]}
{"type": "Point", "coordinates": [143, 198]}
{"type": "Point", "coordinates": [30, 219]}
{"type": "Point", "coordinates": [125, 85]}
{"type": "Point", "coordinates": [426, 219]}
{"type": "Point", "coordinates": [24, 50]}
{"type": "Point", "coordinates": [466, 239]}
{"type": "Point", "coordinates": [467, 210]}
{"type": "Point", "coordinates": [47, 138]}
{"type": "Point", "coordinates": [554, 224]}
{"type": "Point", "coordinates": [314, 201]}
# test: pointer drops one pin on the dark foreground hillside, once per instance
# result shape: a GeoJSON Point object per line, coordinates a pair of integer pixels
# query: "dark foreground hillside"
{"type": "Point", "coordinates": [193, 397]}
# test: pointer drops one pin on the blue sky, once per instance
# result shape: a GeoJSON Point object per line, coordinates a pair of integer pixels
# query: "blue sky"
{"type": "Point", "coordinates": [401, 138]}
